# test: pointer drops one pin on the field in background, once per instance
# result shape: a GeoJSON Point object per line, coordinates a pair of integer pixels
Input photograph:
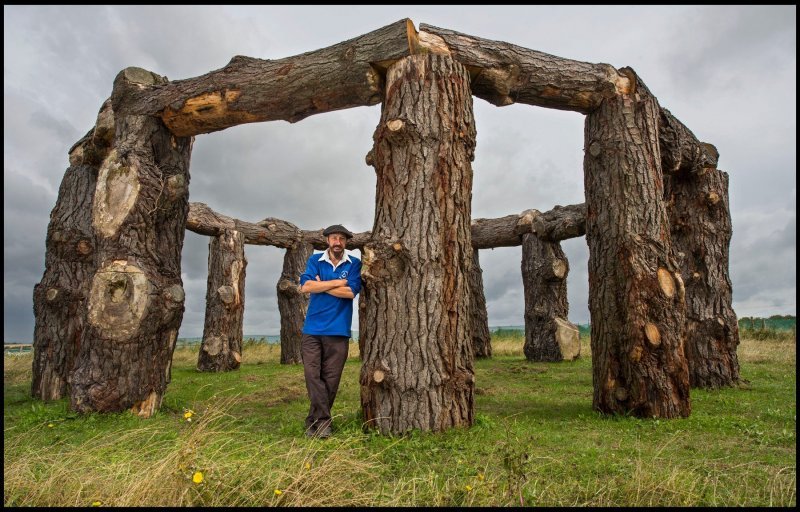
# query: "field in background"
{"type": "Point", "coordinates": [236, 439]}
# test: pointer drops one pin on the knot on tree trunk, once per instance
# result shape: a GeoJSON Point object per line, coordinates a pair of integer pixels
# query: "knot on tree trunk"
{"type": "Point", "coordinates": [118, 300]}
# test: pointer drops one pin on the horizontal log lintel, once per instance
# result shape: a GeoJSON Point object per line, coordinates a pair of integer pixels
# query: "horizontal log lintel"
{"type": "Point", "coordinates": [560, 223]}
{"type": "Point", "coordinates": [247, 89]}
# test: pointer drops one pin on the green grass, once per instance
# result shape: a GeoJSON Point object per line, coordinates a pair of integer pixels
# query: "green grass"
{"type": "Point", "coordinates": [535, 442]}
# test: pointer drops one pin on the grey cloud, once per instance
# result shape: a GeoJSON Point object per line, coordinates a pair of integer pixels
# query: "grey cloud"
{"type": "Point", "coordinates": [64, 60]}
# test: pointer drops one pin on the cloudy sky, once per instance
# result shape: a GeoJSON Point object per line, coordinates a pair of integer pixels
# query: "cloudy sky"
{"type": "Point", "coordinates": [728, 73]}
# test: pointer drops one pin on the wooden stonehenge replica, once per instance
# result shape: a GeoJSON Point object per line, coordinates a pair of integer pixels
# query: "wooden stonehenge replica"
{"type": "Point", "coordinates": [656, 220]}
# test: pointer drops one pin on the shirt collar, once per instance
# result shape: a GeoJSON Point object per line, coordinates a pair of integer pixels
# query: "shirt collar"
{"type": "Point", "coordinates": [327, 258]}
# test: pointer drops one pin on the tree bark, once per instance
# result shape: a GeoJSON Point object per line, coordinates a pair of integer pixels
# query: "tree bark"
{"type": "Point", "coordinates": [700, 222]}
{"type": "Point", "coordinates": [636, 296]}
{"type": "Point", "coordinates": [135, 303]}
{"type": "Point", "coordinates": [505, 73]}
{"type": "Point", "coordinates": [560, 223]}
{"type": "Point", "coordinates": [221, 348]}
{"type": "Point", "coordinates": [292, 303]}
{"type": "Point", "coordinates": [250, 90]}
{"type": "Point", "coordinates": [362, 321]}
{"type": "Point", "coordinates": [59, 299]}
{"type": "Point", "coordinates": [680, 150]}
{"type": "Point", "coordinates": [481, 338]}
{"type": "Point", "coordinates": [549, 336]}
{"type": "Point", "coordinates": [417, 366]}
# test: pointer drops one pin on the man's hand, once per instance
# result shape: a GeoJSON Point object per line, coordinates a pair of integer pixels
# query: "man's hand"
{"type": "Point", "coordinates": [319, 286]}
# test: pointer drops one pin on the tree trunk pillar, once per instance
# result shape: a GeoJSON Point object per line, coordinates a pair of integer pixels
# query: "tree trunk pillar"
{"type": "Point", "coordinates": [59, 300]}
{"type": "Point", "coordinates": [292, 303]}
{"type": "Point", "coordinates": [135, 302]}
{"type": "Point", "coordinates": [221, 348]}
{"type": "Point", "coordinates": [549, 336]}
{"type": "Point", "coordinates": [417, 368]}
{"type": "Point", "coordinates": [701, 232]}
{"type": "Point", "coordinates": [481, 338]}
{"type": "Point", "coordinates": [636, 295]}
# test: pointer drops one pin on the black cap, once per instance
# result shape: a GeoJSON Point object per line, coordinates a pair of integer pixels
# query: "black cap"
{"type": "Point", "coordinates": [337, 228]}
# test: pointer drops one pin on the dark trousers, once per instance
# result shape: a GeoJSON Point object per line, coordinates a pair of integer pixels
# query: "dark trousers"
{"type": "Point", "coordinates": [323, 362]}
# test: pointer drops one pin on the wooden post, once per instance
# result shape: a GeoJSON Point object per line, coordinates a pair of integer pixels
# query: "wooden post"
{"type": "Point", "coordinates": [700, 223]}
{"type": "Point", "coordinates": [481, 338]}
{"type": "Point", "coordinates": [59, 300]}
{"type": "Point", "coordinates": [417, 362]}
{"type": "Point", "coordinates": [636, 295]}
{"type": "Point", "coordinates": [135, 303]}
{"type": "Point", "coordinates": [549, 336]}
{"type": "Point", "coordinates": [292, 303]}
{"type": "Point", "coordinates": [221, 348]}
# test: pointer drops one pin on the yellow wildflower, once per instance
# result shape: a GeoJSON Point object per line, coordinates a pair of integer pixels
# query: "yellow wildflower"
{"type": "Point", "coordinates": [198, 477]}
{"type": "Point", "coordinates": [50, 425]}
{"type": "Point", "coordinates": [188, 415]}
{"type": "Point", "coordinates": [468, 488]}
{"type": "Point", "coordinates": [96, 503]}
{"type": "Point", "coordinates": [278, 492]}
{"type": "Point", "coordinates": [308, 465]}
{"type": "Point", "coordinates": [480, 476]}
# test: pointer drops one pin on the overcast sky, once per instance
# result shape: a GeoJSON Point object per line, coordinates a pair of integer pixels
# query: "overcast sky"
{"type": "Point", "coordinates": [728, 73]}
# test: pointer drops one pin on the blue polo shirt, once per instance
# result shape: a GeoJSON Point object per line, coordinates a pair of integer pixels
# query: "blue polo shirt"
{"type": "Point", "coordinates": [328, 315]}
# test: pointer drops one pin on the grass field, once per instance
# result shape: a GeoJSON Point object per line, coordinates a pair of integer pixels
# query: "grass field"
{"type": "Point", "coordinates": [236, 439]}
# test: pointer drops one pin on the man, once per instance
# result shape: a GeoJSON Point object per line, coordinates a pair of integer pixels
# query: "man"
{"type": "Point", "coordinates": [333, 278]}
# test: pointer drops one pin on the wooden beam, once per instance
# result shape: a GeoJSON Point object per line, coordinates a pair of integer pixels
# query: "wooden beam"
{"type": "Point", "coordinates": [249, 90]}
{"type": "Point", "coordinates": [560, 223]}
{"type": "Point", "coordinates": [505, 73]}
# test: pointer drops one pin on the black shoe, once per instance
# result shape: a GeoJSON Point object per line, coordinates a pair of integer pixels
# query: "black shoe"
{"type": "Point", "coordinates": [322, 432]}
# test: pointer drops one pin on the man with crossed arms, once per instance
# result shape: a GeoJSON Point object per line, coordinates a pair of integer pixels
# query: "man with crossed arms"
{"type": "Point", "coordinates": [333, 278]}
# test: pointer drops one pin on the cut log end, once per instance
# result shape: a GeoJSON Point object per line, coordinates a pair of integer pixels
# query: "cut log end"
{"type": "Point", "coordinates": [226, 294]}
{"type": "Point", "coordinates": [115, 194]}
{"type": "Point", "coordinates": [212, 345]}
{"type": "Point", "coordinates": [652, 334]}
{"type": "Point", "coordinates": [624, 80]}
{"type": "Point", "coordinates": [568, 338]}
{"type": "Point", "coordinates": [148, 406]}
{"type": "Point", "coordinates": [712, 198]}
{"type": "Point", "coordinates": [395, 125]}
{"type": "Point", "coordinates": [526, 222]}
{"type": "Point", "coordinates": [559, 268]}
{"type": "Point", "coordinates": [666, 282]}
{"type": "Point", "coordinates": [431, 43]}
{"type": "Point", "coordinates": [176, 187]}
{"type": "Point", "coordinates": [118, 300]}
{"type": "Point", "coordinates": [174, 296]}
